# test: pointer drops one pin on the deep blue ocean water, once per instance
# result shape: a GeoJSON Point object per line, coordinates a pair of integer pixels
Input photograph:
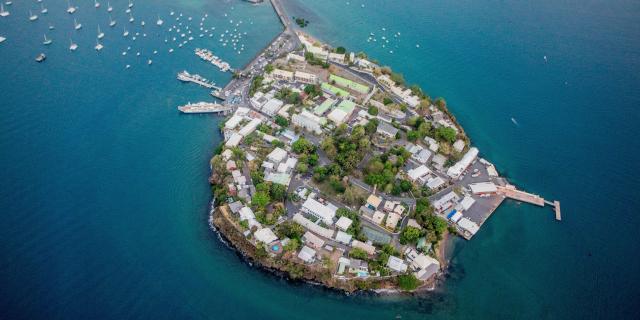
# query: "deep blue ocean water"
{"type": "Point", "coordinates": [104, 195]}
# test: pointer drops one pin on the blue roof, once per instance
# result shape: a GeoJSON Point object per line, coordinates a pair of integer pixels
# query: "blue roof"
{"type": "Point", "coordinates": [451, 214]}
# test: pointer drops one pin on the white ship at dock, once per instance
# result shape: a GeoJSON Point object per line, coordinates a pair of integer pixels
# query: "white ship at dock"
{"type": "Point", "coordinates": [205, 107]}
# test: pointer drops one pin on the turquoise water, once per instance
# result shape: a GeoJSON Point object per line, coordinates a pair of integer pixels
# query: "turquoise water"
{"type": "Point", "coordinates": [104, 194]}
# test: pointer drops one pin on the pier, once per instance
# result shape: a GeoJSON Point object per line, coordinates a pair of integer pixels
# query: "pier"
{"type": "Point", "coordinates": [185, 76]}
{"type": "Point", "coordinates": [511, 192]}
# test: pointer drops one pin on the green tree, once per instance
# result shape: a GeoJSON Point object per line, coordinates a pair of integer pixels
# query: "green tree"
{"type": "Point", "coordinates": [358, 253]}
{"type": "Point", "coordinates": [278, 192]}
{"type": "Point", "coordinates": [446, 134]}
{"type": "Point", "coordinates": [408, 282]}
{"type": "Point", "coordinates": [289, 229]}
{"type": "Point", "coordinates": [282, 121]}
{"type": "Point", "coordinates": [292, 245]}
{"type": "Point", "coordinates": [409, 235]}
{"type": "Point", "coordinates": [373, 110]}
{"type": "Point", "coordinates": [302, 168]}
{"type": "Point", "coordinates": [413, 135]}
{"type": "Point", "coordinates": [303, 145]}
{"type": "Point", "coordinates": [260, 199]}
{"type": "Point", "coordinates": [268, 68]}
{"type": "Point", "coordinates": [341, 50]}
{"type": "Point", "coordinates": [387, 101]}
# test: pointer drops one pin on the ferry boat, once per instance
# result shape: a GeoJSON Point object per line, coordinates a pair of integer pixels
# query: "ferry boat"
{"type": "Point", "coordinates": [32, 17]}
{"type": "Point", "coordinates": [203, 107]}
{"type": "Point", "coordinates": [71, 9]}
{"type": "Point", "coordinates": [185, 76]}
{"type": "Point", "coordinates": [41, 57]}
{"type": "Point", "coordinates": [207, 55]}
{"type": "Point", "coordinates": [3, 13]}
{"type": "Point", "coordinates": [73, 46]}
{"type": "Point", "coordinates": [46, 41]}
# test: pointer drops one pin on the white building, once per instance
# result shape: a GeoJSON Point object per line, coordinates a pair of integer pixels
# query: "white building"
{"type": "Point", "coordinates": [458, 145]}
{"type": "Point", "coordinates": [396, 264]}
{"type": "Point", "coordinates": [466, 203]}
{"type": "Point", "coordinates": [305, 77]}
{"type": "Point", "coordinates": [344, 223]}
{"type": "Point", "coordinates": [318, 210]}
{"type": "Point", "coordinates": [265, 235]}
{"type": "Point", "coordinates": [392, 220]}
{"type": "Point", "coordinates": [295, 57]}
{"type": "Point", "coordinates": [282, 75]}
{"type": "Point", "coordinates": [422, 156]}
{"type": "Point", "coordinates": [386, 130]}
{"type": "Point", "coordinates": [309, 225]}
{"type": "Point", "coordinates": [457, 169]}
{"type": "Point", "coordinates": [307, 255]}
{"type": "Point", "coordinates": [468, 226]}
{"type": "Point", "coordinates": [277, 155]}
{"type": "Point", "coordinates": [318, 52]}
{"type": "Point", "coordinates": [312, 240]}
{"type": "Point", "coordinates": [343, 237]}
{"type": "Point", "coordinates": [337, 57]}
{"type": "Point", "coordinates": [233, 122]}
{"type": "Point", "coordinates": [250, 127]}
{"type": "Point", "coordinates": [445, 202]}
{"type": "Point", "coordinates": [369, 249]}
{"type": "Point", "coordinates": [272, 107]}
{"type": "Point", "coordinates": [308, 121]}
{"type": "Point", "coordinates": [435, 183]}
{"type": "Point", "coordinates": [416, 174]}
{"type": "Point", "coordinates": [233, 141]}
{"type": "Point", "coordinates": [480, 188]}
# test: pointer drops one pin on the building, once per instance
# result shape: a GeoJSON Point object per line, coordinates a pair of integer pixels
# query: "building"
{"type": "Point", "coordinates": [426, 273]}
{"type": "Point", "coordinates": [318, 210]}
{"type": "Point", "coordinates": [234, 140]}
{"type": "Point", "coordinates": [439, 161]}
{"type": "Point", "coordinates": [435, 183]}
{"type": "Point", "coordinates": [305, 77]}
{"type": "Point", "coordinates": [323, 107]}
{"type": "Point", "coordinates": [233, 122]}
{"type": "Point", "coordinates": [307, 255]}
{"type": "Point", "coordinates": [259, 99]}
{"type": "Point", "coordinates": [378, 217]}
{"type": "Point", "coordinates": [277, 155]}
{"type": "Point", "coordinates": [284, 111]}
{"type": "Point", "coordinates": [250, 127]}
{"type": "Point", "coordinates": [392, 220]}
{"type": "Point", "coordinates": [337, 57]}
{"type": "Point", "coordinates": [466, 203]}
{"type": "Point", "coordinates": [265, 235]}
{"type": "Point", "coordinates": [349, 84]}
{"type": "Point", "coordinates": [295, 57]}
{"type": "Point", "coordinates": [422, 156]}
{"type": "Point", "coordinates": [344, 223]}
{"type": "Point", "coordinates": [481, 188]}
{"type": "Point", "coordinates": [373, 202]}
{"type": "Point", "coordinates": [456, 170]}
{"type": "Point", "coordinates": [417, 174]}
{"type": "Point", "coordinates": [279, 178]}
{"type": "Point", "coordinates": [312, 240]}
{"type": "Point", "coordinates": [342, 112]}
{"type": "Point", "coordinates": [358, 266]}
{"type": "Point", "coordinates": [396, 264]}
{"type": "Point", "coordinates": [386, 130]}
{"type": "Point", "coordinates": [343, 237]}
{"type": "Point", "coordinates": [282, 75]}
{"type": "Point", "coordinates": [272, 107]}
{"type": "Point", "coordinates": [308, 121]}
{"type": "Point", "coordinates": [458, 145]}
{"type": "Point", "coordinates": [247, 214]}
{"type": "Point", "coordinates": [419, 261]}
{"type": "Point", "coordinates": [433, 144]}
{"type": "Point", "coordinates": [369, 249]}
{"type": "Point", "coordinates": [445, 202]}
{"type": "Point", "coordinates": [468, 226]}
{"type": "Point", "coordinates": [309, 225]}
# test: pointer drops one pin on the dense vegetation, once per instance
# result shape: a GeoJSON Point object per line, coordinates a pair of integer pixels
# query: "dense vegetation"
{"type": "Point", "coordinates": [382, 170]}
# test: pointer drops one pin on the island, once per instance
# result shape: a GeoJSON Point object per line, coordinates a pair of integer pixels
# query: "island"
{"type": "Point", "coordinates": [335, 171]}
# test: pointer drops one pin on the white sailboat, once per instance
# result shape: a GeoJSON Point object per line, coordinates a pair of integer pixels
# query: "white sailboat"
{"type": "Point", "coordinates": [130, 4]}
{"type": "Point", "coordinates": [32, 17]}
{"type": "Point", "coordinates": [46, 41]}
{"type": "Point", "coordinates": [99, 45]}
{"type": "Point", "coordinates": [131, 19]}
{"type": "Point", "coordinates": [43, 10]}
{"type": "Point", "coordinates": [71, 9]}
{"type": "Point", "coordinates": [73, 46]}
{"type": "Point", "coordinates": [77, 25]}
{"type": "Point", "coordinates": [51, 27]}
{"type": "Point", "coordinates": [159, 22]}
{"type": "Point", "coordinates": [96, 4]}
{"type": "Point", "coordinates": [112, 23]}
{"type": "Point", "coordinates": [109, 7]}
{"type": "Point", "coordinates": [125, 33]}
{"type": "Point", "coordinates": [3, 13]}
{"type": "Point", "coordinates": [100, 33]}
{"type": "Point", "coordinates": [2, 39]}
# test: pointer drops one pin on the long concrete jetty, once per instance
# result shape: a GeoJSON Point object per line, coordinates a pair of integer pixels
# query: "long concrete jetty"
{"type": "Point", "coordinates": [511, 192]}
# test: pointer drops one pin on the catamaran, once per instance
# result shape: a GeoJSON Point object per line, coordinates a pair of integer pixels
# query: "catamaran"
{"type": "Point", "coordinates": [73, 46]}
{"type": "Point", "coordinates": [43, 10]}
{"type": "Point", "coordinates": [46, 41]}
{"type": "Point", "coordinates": [71, 9]}
{"type": "Point", "coordinates": [100, 33]}
{"type": "Point", "coordinates": [99, 45]}
{"type": "Point", "coordinates": [3, 13]}
{"type": "Point", "coordinates": [112, 23]}
{"type": "Point", "coordinates": [77, 25]}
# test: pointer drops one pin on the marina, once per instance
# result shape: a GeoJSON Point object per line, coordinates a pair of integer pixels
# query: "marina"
{"type": "Point", "coordinates": [185, 76]}
{"type": "Point", "coordinates": [207, 55]}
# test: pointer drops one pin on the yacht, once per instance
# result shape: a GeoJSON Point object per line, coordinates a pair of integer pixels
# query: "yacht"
{"type": "Point", "coordinates": [100, 33]}
{"type": "Point", "coordinates": [159, 22]}
{"type": "Point", "coordinates": [41, 57]}
{"type": "Point", "coordinates": [46, 41]}
{"type": "Point", "coordinates": [109, 7]}
{"type": "Point", "coordinates": [99, 45]}
{"type": "Point", "coordinates": [32, 17]}
{"type": "Point", "coordinates": [125, 33]}
{"type": "Point", "coordinates": [71, 9]}
{"type": "Point", "coordinates": [77, 25]}
{"type": "Point", "coordinates": [2, 39]}
{"type": "Point", "coordinates": [112, 23]}
{"type": "Point", "coordinates": [96, 4]}
{"type": "Point", "coordinates": [8, 3]}
{"type": "Point", "coordinates": [43, 10]}
{"type": "Point", "coordinates": [73, 46]}
{"type": "Point", "coordinates": [3, 13]}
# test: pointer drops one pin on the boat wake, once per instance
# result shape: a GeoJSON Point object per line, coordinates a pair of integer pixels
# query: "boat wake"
{"type": "Point", "coordinates": [515, 122]}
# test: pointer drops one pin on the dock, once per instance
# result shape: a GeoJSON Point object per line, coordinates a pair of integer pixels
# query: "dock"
{"type": "Point", "coordinates": [511, 192]}
{"type": "Point", "coordinates": [185, 76]}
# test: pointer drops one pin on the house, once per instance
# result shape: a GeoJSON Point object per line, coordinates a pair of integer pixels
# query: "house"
{"type": "Point", "coordinates": [309, 225]}
{"type": "Point", "coordinates": [369, 249]}
{"type": "Point", "coordinates": [386, 130]}
{"type": "Point", "coordinates": [399, 209]}
{"type": "Point", "coordinates": [318, 210]}
{"type": "Point", "coordinates": [234, 140]}
{"type": "Point", "coordinates": [342, 112]}
{"type": "Point", "coordinates": [480, 188]}
{"type": "Point", "coordinates": [373, 202]}
{"type": "Point", "coordinates": [343, 237]}
{"type": "Point", "coordinates": [235, 207]}
{"type": "Point", "coordinates": [458, 145]}
{"type": "Point", "coordinates": [277, 155]}
{"type": "Point", "coordinates": [295, 57]}
{"type": "Point", "coordinates": [358, 266]}
{"type": "Point", "coordinates": [282, 75]}
{"type": "Point", "coordinates": [414, 223]}
{"type": "Point", "coordinates": [468, 226]}
{"type": "Point", "coordinates": [445, 202]}
{"type": "Point", "coordinates": [337, 57]}
{"type": "Point", "coordinates": [272, 107]}
{"type": "Point", "coordinates": [390, 205]}
{"type": "Point", "coordinates": [419, 261]}
{"type": "Point", "coordinates": [378, 217]}
{"type": "Point", "coordinates": [466, 203]}
{"type": "Point", "coordinates": [279, 178]}
{"type": "Point", "coordinates": [259, 99]}
{"type": "Point", "coordinates": [284, 111]}
{"type": "Point", "coordinates": [233, 122]}
{"type": "Point", "coordinates": [426, 273]}
{"type": "Point", "coordinates": [439, 161]}
{"type": "Point", "coordinates": [323, 107]}
{"type": "Point", "coordinates": [304, 77]}
{"type": "Point", "coordinates": [231, 165]}
{"type": "Point", "coordinates": [309, 121]}
{"type": "Point", "coordinates": [392, 220]}
{"type": "Point", "coordinates": [265, 235]}
{"type": "Point", "coordinates": [433, 144]}
{"type": "Point", "coordinates": [250, 127]}
{"type": "Point", "coordinates": [247, 214]}
{"type": "Point", "coordinates": [344, 223]}
{"type": "Point", "coordinates": [227, 154]}
{"type": "Point", "coordinates": [416, 174]}
{"type": "Point", "coordinates": [456, 170]}
{"type": "Point", "coordinates": [422, 156]}
{"type": "Point", "coordinates": [343, 263]}
{"type": "Point", "coordinates": [435, 183]}
{"type": "Point", "coordinates": [396, 264]}
{"type": "Point", "coordinates": [312, 240]}
{"type": "Point", "coordinates": [307, 255]}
